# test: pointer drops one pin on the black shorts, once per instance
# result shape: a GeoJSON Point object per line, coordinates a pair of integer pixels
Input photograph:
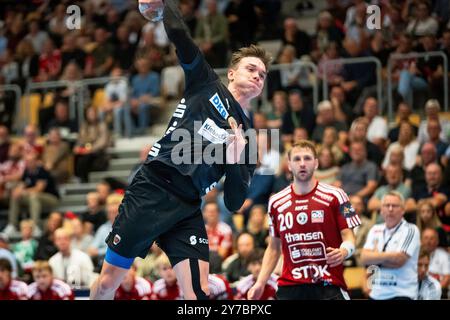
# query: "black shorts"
{"type": "Point", "coordinates": [311, 292]}
{"type": "Point", "coordinates": [150, 213]}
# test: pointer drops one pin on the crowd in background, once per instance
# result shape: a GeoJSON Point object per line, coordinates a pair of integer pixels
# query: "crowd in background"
{"type": "Point", "coordinates": [359, 150]}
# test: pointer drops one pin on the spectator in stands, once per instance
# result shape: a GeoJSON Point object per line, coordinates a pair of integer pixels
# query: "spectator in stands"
{"type": "Point", "coordinates": [325, 118]}
{"type": "Point", "coordinates": [11, 171]}
{"type": "Point", "coordinates": [327, 32]}
{"type": "Point", "coordinates": [45, 286]}
{"type": "Point", "coordinates": [11, 289]}
{"type": "Point", "coordinates": [287, 78]}
{"type": "Point", "coordinates": [37, 191]}
{"type": "Point", "coordinates": [434, 191]}
{"type": "Point", "coordinates": [167, 287]}
{"type": "Point", "coordinates": [259, 120]}
{"type": "Point", "coordinates": [81, 239]}
{"type": "Point", "coordinates": [4, 143]}
{"type": "Point", "coordinates": [31, 143]}
{"type": "Point", "coordinates": [403, 115]}
{"type": "Point", "coordinates": [219, 288]}
{"type": "Point", "coordinates": [427, 218]}
{"type": "Point", "coordinates": [5, 253]}
{"type": "Point", "coordinates": [124, 49]}
{"type": "Point", "coordinates": [49, 61]}
{"type": "Point", "coordinates": [408, 141]}
{"type": "Point", "coordinates": [378, 129]}
{"type": "Point", "coordinates": [279, 107]}
{"type": "Point", "coordinates": [62, 120]}
{"type": "Point", "coordinates": [362, 230]}
{"type": "Point", "coordinates": [294, 36]}
{"type": "Point", "coordinates": [103, 54]}
{"type": "Point", "coordinates": [211, 35]}
{"type": "Point", "coordinates": [335, 143]}
{"type": "Point", "coordinates": [439, 257]}
{"type": "Point", "coordinates": [133, 287]}
{"type": "Point", "coordinates": [256, 226]}
{"type": "Point", "coordinates": [283, 176]}
{"type": "Point", "coordinates": [434, 132]}
{"type": "Point", "coordinates": [343, 111]}
{"type": "Point", "coordinates": [428, 154]}
{"type": "Point", "coordinates": [145, 87]}
{"type": "Point", "coordinates": [394, 179]}
{"type": "Point", "coordinates": [254, 264]}
{"type": "Point", "coordinates": [25, 249]}
{"type": "Point", "coordinates": [242, 23]}
{"type": "Point", "coordinates": [422, 23]}
{"type": "Point", "coordinates": [71, 74]}
{"type": "Point", "coordinates": [36, 35]}
{"type": "Point", "coordinates": [28, 62]}
{"type": "Point", "coordinates": [116, 104]}
{"type": "Point", "coordinates": [219, 233]}
{"type": "Point", "coordinates": [90, 149]}
{"type": "Point", "coordinates": [300, 114]}
{"type": "Point", "coordinates": [360, 176]}
{"type": "Point", "coordinates": [103, 189]}
{"type": "Point", "coordinates": [396, 257]}
{"type": "Point", "coordinates": [56, 156]}
{"type": "Point", "coordinates": [328, 170]}
{"type": "Point", "coordinates": [71, 265]}
{"type": "Point", "coordinates": [95, 215]}
{"type": "Point", "coordinates": [355, 23]}
{"type": "Point", "coordinates": [146, 268]}
{"type": "Point", "coordinates": [10, 68]}
{"type": "Point", "coordinates": [97, 249]}
{"type": "Point", "coordinates": [46, 245]}
{"type": "Point", "coordinates": [71, 53]}
{"type": "Point", "coordinates": [432, 109]}
{"type": "Point", "coordinates": [236, 265]}
{"type": "Point", "coordinates": [429, 287]}
{"type": "Point", "coordinates": [333, 71]}
{"type": "Point", "coordinates": [57, 24]}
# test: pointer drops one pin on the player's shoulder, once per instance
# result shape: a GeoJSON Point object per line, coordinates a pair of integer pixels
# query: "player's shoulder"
{"type": "Point", "coordinates": [280, 197]}
{"type": "Point", "coordinates": [329, 191]}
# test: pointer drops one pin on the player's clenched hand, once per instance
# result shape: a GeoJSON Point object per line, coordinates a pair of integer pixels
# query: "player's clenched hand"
{"type": "Point", "coordinates": [255, 292]}
{"type": "Point", "coordinates": [236, 144]}
{"type": "Point", "coordinates": [335, 256]}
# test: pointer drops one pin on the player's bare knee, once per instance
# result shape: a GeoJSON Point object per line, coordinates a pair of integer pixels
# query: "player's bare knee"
{"type": "Point", "coordinates": [107, 284]}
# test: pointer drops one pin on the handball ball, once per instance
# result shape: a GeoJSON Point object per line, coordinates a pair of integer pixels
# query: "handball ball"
{"type": "Point", "coordinates": [151, 9]}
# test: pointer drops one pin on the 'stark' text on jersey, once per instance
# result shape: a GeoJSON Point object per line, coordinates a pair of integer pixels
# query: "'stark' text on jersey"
{"type": "Point", "coordinates": [206, 101]}
{"type": "Point", "coordinates": [307, 225]}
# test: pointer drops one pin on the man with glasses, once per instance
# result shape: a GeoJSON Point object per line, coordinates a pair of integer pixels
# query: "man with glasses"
{"type": "Point", "coordinates": [391, 253]}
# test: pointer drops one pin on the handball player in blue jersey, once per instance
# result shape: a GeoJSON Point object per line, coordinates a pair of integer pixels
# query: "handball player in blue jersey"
{"type": "Point", "coordinates": [162, 204]}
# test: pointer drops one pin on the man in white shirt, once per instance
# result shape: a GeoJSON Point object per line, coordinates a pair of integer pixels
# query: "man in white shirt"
{"type": "Point", "coordinates": [377, 132]}
{"type": "Point", "coordinates": [429, 287]}
{"type": "Point", "coordinates": [71, 265]}
{"type": "Point", "coordinates": [439, 257]}
{"type": "Point", "coordinates": [391, 251]}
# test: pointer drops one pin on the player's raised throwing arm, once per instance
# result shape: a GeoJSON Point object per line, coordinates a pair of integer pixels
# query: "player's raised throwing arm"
{"type": "Point", "coordinates": [178, 33]}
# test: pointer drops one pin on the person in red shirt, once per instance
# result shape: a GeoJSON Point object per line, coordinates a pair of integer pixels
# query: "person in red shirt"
{"type": "Point", "coordinates": [10, 289]}
{"type": "Point", "coordinates": [254, 267]}
{"type": "Point", "coordinates": [46, 287]}
{"type": "Point", "coordinates": [133, 287]}
{"type": "Point", "coordinates": [167, 287]}
{"type": "Point", "coordinates": [311, 224]}
{"type": "Point", "coordinates": [219, 288]}
{"type": "Point", "coordinates": [219, 233]}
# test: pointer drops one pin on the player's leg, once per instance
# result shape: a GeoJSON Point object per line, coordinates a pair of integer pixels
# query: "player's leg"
{"type": "Point", "coordinates": [110, 277]}
{"type": "Point", "coordinates": [192, 277]}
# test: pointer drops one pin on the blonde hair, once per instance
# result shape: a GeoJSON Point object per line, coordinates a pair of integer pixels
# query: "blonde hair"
{"type": "Point", "coordinates": [26, 223]}
{"type": "Point", "coordinates": [251, 51]}
{"type": "Point", "coordinates": [42, 265]}
{"type": "Point", "coordinates": [303, 144]}
{"type": "Point", "coordinates": [435, 221]}
{"type": "Point", "coordinates": [162, 260]}
{"type": "Point", "coordinates": [114, 198]}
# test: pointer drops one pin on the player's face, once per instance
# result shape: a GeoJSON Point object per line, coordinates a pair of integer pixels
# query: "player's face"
{"type": "Point", "coordinates": [392, 211]}
{"type": "Point", "coordinates": [5, 277]}
{"type": "Point", "coordinates": [302, 164]}
{"type": "Point", "coordinates": [248, 76]}
{"type": "Point", "coordinates": [43, 279]}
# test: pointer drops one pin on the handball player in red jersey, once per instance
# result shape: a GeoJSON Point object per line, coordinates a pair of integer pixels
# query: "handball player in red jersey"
{"type": "Point", "coordinates": [311, 224]}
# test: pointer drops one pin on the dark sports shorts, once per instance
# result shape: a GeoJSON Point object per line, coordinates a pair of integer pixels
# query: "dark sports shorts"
{"type": "Point", "coordinates": [312, 292]}
{"type": "Point", "coordinates": [150, 213]}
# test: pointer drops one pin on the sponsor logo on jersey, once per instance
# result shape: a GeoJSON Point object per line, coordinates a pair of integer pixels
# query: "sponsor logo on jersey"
{"type": "Point", "coordinates": [212, 132]}
{"type": "Point", "coordinates": [193, 240]}
{"type": "Point", "coordinates": [312, 271]}
{"type": "Point", "coordinates": [116, 239]}
{"type": "Point", "coordinates": [302, 218]}
{"type": "Point", "coordinates": [308, 236]}
{"type": "Point", "coordinates": [301, 201]}
{"type": "Point", "coordinates": [317, 216]}
{"type": "Point", "coordinates": [218, 104]}
{"type": "Point", "coordinates": [324, 196]}
{"type": "Point", "coordinates": [307, 251]}
{"type": "Point", "coordinates": [301, 208]}
{"type": "Point", "coordinates": [347, 210]}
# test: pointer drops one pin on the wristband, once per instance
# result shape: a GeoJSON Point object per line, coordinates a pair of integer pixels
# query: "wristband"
{"type": "Point", "coordinates": [349, 246]}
